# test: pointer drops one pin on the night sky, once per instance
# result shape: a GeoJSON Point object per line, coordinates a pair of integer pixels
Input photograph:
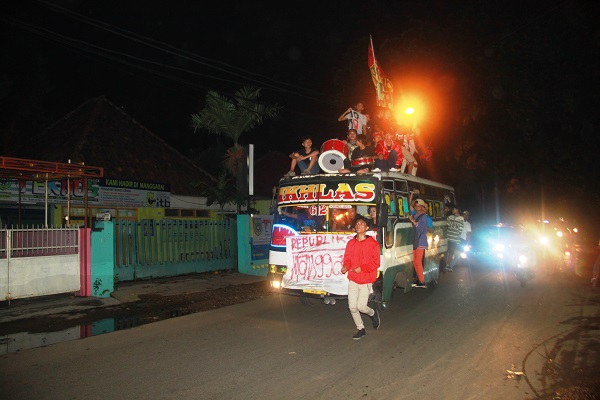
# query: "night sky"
{"type": "Point", "coordinates": [507, 92]}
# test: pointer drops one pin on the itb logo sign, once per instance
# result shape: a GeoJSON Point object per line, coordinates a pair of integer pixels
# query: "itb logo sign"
{"type": "Point", "coordinates": [261, 229]}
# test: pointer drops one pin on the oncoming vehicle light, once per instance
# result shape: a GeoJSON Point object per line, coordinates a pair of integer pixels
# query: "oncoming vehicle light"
{"type": "Point", "coordinates": [466, 249]}
{"type": "Point", "coordinates": [522, 259]}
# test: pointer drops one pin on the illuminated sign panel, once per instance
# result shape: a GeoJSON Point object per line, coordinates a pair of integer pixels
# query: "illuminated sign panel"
{"type": "Point", "coordinates": [329, 192]}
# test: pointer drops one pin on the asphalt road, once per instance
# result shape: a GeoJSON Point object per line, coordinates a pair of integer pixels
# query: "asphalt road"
{"type": "Point", "coordinates": [478, 335]}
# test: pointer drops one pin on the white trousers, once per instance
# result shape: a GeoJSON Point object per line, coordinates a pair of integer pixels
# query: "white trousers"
{"type": "Point", "coordinates": [358, 298]}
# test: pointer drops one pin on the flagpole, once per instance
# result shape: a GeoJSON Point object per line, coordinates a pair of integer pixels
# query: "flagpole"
{"type": "Point", "coordinates": [373, 49]}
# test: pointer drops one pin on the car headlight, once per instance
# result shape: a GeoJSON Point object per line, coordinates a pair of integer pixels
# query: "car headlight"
{"type": "Point", "coordinates": [467, 248]}
{"type": "Point", "coordinates": [522, 259]}
{"type": "Point", "coordinates": [499, 247]}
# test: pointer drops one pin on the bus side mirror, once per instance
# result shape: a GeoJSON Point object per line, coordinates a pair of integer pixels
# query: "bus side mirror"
{"type": "Point", "coordinates": [382, 214]}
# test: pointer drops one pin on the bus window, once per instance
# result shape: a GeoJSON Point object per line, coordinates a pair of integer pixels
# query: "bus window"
{"type": "Point", "coordinates": [398, 238]}
{"type": "Point", "coordinates": [302, 219]}
{"type": "Point", "coordinates": [401, 186]}
{"type": "Point", "coordinates": [363, 210]}
{"type": "Point", "coordinates": [342, 219]}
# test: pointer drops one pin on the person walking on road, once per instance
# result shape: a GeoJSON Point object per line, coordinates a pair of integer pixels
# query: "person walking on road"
{"type": "Point", "coordinates": [465, 236]}
{"type": "Point", "coordinates": [455, 227]}
{"type": "Point", "coordinates": [361, 261]}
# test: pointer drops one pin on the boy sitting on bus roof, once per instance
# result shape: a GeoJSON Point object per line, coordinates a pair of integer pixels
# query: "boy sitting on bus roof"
{"type": "Point", "coordinates": [362, 157]}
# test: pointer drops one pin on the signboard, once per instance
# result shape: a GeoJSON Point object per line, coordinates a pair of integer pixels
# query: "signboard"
{"type": "Point", "coordinates": [330, 192]}
{"type": "Point", "coordinates": [101, 192]}
{"type": "Point", "coordinates": [261, 236]}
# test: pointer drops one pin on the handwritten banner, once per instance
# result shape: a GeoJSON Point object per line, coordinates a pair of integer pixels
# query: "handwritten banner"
{"type": "Point", "coordinates": [314, 263]}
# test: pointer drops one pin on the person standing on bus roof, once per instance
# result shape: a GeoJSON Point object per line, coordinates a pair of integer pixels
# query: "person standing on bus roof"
{"type": "Point", "coordinates": [455, 227]}
{"type": "Point", "coordinates": [419, 220]}
{"type": "Point", "coordinates": [356, 119]}
{"type": "Point", "coordinates": [361, 261]}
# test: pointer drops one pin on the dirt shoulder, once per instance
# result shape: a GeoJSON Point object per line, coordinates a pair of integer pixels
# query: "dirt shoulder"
{"type": "Point", "coordinates": [150, 308]}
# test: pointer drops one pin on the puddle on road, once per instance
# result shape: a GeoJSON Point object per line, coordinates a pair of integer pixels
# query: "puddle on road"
{"type": "Point", "coordinates": [25, 340]}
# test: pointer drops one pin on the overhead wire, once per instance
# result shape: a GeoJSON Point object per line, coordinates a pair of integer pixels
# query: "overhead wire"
{"type": "Point", "coordinates": [165, 47]}
{"type": "Point", "coordinates": [110, 55]}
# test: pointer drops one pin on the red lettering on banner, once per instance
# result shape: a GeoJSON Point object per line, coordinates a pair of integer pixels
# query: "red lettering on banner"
{"type": "Point", "coordinates": [310, 266]}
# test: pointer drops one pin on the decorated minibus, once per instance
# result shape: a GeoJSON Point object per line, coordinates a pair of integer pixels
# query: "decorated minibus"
{"type": "Point", "coordinates": [313, 221]}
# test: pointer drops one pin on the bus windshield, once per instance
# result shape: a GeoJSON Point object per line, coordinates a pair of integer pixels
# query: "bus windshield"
{"type": "Point", "coordinates": [324, 217]}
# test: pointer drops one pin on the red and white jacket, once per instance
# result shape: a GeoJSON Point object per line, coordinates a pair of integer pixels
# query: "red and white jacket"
{"type": "Point", "coordinates": [382, 149]}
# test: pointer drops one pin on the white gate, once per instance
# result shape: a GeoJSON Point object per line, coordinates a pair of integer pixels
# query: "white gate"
{"type": "Point", "coordinates": [38, 262]}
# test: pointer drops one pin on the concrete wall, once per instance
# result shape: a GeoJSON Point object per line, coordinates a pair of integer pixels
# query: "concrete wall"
{"type": "Point", "coordinates": [39, 276]}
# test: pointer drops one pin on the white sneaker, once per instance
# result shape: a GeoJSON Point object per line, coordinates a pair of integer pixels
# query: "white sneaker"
{"type": "Point", "coordinates": [394, 170]}
{"type": "Point", "coordinates": [305, 172]}
{"type": "Point", "coordinates": [376, 170]}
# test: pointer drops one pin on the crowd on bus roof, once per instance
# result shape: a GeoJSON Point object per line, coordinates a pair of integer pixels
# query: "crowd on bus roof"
{"type": "Point", "coordinates": [372, 145]}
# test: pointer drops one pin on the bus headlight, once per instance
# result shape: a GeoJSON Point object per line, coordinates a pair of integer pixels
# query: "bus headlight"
{"type": "Point", "coordinates": [276, 284]}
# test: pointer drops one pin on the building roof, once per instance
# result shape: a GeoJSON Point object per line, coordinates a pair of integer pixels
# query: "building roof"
{"type": "Point", "coordinates": [102, 134]}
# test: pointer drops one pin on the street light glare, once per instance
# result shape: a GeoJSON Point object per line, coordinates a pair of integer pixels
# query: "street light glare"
{"type": "Point", "coordinates": [409, 110]}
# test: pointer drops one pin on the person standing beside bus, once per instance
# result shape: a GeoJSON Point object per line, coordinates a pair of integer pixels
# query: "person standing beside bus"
{"type": "Point", "coordinates": [414, 195]}
{"type": "Point", "coordinates": [361, 261]}
{"type": "Point", "coordinates": [465, 235]}
{"type": "Point", "coordinates": [455, 226]}
{"type": "Point", "coordinates": [419, 220]}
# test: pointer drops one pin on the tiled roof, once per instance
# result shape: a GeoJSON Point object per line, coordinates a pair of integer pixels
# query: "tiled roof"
{"type": "Point", "coordinates": [101, 134]}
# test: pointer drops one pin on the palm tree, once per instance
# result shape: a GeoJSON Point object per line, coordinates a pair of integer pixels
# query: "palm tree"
{"type": "Point", "coordinates": [232, 118]}
{"type": "Point", "coordinates": [222, 191]}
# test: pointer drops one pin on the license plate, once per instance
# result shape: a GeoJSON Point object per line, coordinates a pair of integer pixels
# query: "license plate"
{"type": "Point", "coordinates": [311, 291]}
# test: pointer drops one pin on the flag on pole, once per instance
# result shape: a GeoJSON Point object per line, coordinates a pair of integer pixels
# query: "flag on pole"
{"type": "Point", "coordinates": [383, 86]}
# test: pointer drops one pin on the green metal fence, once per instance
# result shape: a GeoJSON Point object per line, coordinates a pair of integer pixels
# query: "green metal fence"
{"type": "Point", "coordinates": [152, 249]}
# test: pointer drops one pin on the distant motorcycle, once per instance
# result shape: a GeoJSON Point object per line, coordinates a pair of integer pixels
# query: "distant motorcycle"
{"type": "Point", "coordinates": [522, 267]}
